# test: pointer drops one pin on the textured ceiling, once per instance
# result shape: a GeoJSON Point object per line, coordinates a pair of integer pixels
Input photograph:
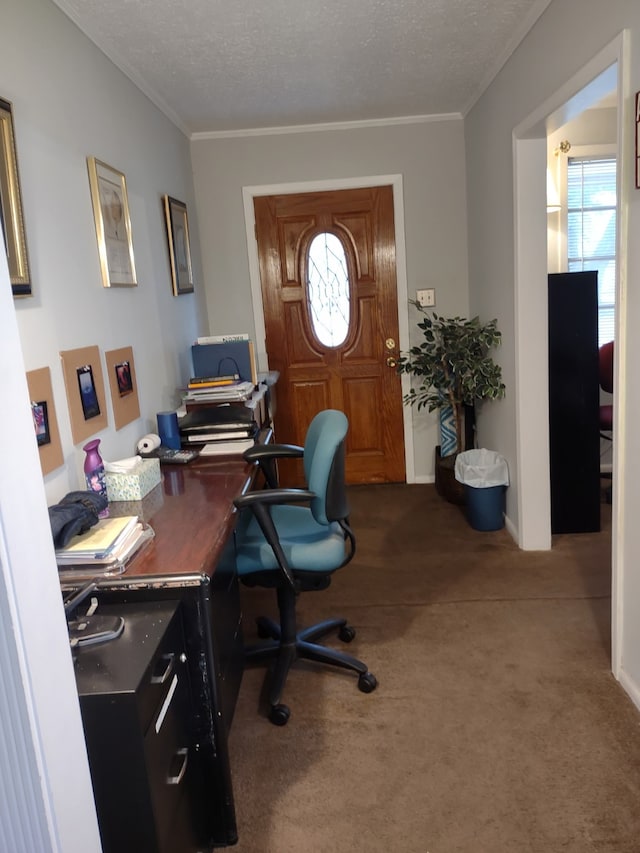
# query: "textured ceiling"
{"type": "Point", "coordinates": [224, 65]}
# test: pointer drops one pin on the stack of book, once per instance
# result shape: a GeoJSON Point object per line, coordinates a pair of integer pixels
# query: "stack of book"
{"type": "Point", "coordinates": [230, 429]}
{"type": "Point", "coordinates": [106, 547]}
{"type": "Point", "coordinates": [199, 391]}
{"type": "Point", "coordinates": [197, 383]}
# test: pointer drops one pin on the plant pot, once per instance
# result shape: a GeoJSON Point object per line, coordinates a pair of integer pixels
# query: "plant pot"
{"type": "Point", "coordinates": [446, 484]}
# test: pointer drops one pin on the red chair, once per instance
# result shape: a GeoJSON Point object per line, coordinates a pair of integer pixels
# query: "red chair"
{"type": "Point", "coordinates": [606, 411]}
{"type": "Point", "coordinates": [606, 383]}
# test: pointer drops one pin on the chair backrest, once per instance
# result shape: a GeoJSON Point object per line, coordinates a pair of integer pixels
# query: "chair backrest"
{"type": "Point", "coordinates": [324, 465]}
{"type": "Point", "coordinates": [605, 360]}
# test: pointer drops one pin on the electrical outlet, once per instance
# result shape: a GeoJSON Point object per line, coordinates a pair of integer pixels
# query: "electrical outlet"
{"type": "Point", "coordinates": [426, 298]}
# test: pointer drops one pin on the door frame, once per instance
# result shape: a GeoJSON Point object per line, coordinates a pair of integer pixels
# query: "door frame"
{"type": "Point", "coordinates": [395, 181]}
{"type": "Point", "coordinates": [529, 166]}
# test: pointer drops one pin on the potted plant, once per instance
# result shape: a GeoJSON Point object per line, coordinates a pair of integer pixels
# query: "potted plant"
{"type": "Point", "coordinates": [454, 371]}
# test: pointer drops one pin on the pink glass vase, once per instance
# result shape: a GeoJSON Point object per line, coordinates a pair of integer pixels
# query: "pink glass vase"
{"type": "Point", "coordinates": [94, 468]}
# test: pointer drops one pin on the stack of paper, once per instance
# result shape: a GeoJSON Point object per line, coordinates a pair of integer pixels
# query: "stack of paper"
{"type": "Point", "coordinates": [235, 447]}
{"type": "Point", "coordinates": [109, 542]}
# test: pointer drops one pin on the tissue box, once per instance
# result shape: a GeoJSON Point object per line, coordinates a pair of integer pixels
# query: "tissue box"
{"type": "Point", "coordinates": [136, 483]}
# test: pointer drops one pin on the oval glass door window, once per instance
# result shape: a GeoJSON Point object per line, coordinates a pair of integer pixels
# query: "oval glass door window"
{"type": "Point", "coordinates": [328, 289]}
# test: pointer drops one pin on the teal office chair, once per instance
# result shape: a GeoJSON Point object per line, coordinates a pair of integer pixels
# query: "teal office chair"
{"type": "Point", "coordinates": [295, 548]}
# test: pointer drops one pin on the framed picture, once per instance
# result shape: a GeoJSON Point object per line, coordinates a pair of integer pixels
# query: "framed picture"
{"type": "Point", "coordinates": [11, 220]}
{"type": "Point", "coordinates": [638, 140]}
{"type": "Point", "coordinates": [45, 422]}
{"type": "Point", "coordinates": [175, 214]}
{"type": "Point", "coordinates": [123, 385]}
{"type": "Point", "coordinates": [41, 422]}
{"type": "Point", "coordinates": [113, 224]}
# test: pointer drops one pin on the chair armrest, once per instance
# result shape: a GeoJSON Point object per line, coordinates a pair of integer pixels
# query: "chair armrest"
{"type": "Point", "coordinates": [273, 497]}
{"type": "Point", "coordinates": [266, 456]}
{"type": "Point", "coordinates": [259, 504]}
{"type": "Point", "coordinates": [265, 451]}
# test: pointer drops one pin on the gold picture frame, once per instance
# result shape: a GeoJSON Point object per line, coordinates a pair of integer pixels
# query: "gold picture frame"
{"type": "Point", "coordinates": [11, 219]}
{"type": "Point", "coordinates": [113, 224]}
{"type": "Point", "coordinates": [175, 214]}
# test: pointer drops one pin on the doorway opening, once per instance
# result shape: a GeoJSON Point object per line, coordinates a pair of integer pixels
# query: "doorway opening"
{"type": "Point", "coordinates": [599, 78]}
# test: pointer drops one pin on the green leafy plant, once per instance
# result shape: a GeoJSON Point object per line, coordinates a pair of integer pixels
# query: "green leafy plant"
{"type": "Point", "coordinates": [453, 365]}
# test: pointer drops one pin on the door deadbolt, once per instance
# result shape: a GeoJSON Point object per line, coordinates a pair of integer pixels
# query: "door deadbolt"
{"type": "Point", "coordinates": [390, 343]}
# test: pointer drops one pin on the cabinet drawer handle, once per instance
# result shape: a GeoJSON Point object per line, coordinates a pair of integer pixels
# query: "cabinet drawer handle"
{"type": "Point", "coordinates": [182, 754]}
{"type": "Point", "coordinates": [161, 677]}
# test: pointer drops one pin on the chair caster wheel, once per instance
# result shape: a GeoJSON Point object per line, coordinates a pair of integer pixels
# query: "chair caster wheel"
{"type": "Point", "coordinates": [346, 633]}
{"type": "Point", "coordinates": [279, 715]}
{"type": "Point", "coordinates": [367, 682]}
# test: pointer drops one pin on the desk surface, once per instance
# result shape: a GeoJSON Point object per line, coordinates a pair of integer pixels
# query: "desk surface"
{"type": "Point", "coordinates": [192, 517]}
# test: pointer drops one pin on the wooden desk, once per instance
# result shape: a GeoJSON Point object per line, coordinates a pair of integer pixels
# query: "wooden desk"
{"type": "Point", "coordinates": [194, 519]}
{"type": "Point", "coordinates": [192, 558]}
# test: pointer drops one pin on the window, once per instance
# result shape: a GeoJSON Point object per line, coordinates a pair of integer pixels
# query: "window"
{"type": "Point", "coordinates": [328, 289]}
{"type": "Point", "coordinates": [591, 230]}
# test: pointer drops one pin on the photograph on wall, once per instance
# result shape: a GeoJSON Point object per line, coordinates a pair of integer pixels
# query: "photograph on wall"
{"type": "Point", "coordinates": [45, 422]}
{"type": "Point", "coordinates": [123, 377]}
{"type": "Point", "coordinates": [88, 394]}
{"type": "Point", "coordinates": [84, 384]}
{"type": "Point", "coordinates": [121, 370]}
{"type": "Point", "coordinates": [41, 422]}
{"type": "Point", "coordinates": [113, 224]}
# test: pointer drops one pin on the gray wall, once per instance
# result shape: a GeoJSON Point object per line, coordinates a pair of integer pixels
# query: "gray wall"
{"type": "Point", "coordinates": [428, 155]}
{"type": "Point", "coordinates": [70, 101]}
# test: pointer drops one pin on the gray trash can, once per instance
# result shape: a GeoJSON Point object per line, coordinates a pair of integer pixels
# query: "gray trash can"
{"type": "Point", "coordinates": [485, 477]}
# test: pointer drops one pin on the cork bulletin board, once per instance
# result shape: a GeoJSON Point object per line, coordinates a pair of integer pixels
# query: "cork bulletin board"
{"type": "Point", "coordinates": [45, 421]}
{"type": "Point", "coordinates": [84, 384]}
{"type": "Point", "coordinates": [121, 375]}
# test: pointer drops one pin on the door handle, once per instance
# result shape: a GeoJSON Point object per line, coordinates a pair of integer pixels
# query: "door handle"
{"type": "Point", "coordinates": [392, 362]}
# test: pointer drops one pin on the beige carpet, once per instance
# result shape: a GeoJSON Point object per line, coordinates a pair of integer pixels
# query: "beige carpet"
{"type": "Point", "coordinates": [497, 726]}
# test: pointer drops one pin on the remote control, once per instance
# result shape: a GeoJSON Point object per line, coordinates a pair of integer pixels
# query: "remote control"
{"type": "Point", "coordinates": [177, 457]}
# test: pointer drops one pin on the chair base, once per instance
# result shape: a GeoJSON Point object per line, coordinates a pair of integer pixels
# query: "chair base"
{"type": "Point", "coordinates": [302, 646]}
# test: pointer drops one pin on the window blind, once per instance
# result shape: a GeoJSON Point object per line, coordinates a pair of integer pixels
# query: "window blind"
{"type": "Point", "coordinates": [591, 230]}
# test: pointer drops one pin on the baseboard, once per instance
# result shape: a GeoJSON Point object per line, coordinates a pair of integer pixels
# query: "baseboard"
{"type": "Point", "coordinates": [512, 530]}
{"type": "Point", "coordinates": [630, 687]}
{"type": "Point", "coordinates": [425, 478]}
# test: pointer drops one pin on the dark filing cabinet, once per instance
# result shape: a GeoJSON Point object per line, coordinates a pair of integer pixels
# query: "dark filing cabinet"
{"type": "Point", "coordinates": [135, 699]}
{"type": "Point", "coordinates": [574, 404]}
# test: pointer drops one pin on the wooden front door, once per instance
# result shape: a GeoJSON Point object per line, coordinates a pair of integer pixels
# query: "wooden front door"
{"type": "Point", "coordinates": [356, 372]}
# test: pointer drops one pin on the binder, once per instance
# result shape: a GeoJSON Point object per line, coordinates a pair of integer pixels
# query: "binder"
{"type": "Point", "coordinates": [219, 417]}
{"type": "Point", "coordinates": [225, 357]}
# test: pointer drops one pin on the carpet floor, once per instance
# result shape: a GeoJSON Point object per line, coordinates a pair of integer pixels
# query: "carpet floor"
{"type": "Point", "coordinates": [497, 726]}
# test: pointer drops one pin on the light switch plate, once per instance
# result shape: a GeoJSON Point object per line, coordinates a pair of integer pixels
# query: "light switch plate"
{"type": "Point", "coordinates": [426, 298]}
